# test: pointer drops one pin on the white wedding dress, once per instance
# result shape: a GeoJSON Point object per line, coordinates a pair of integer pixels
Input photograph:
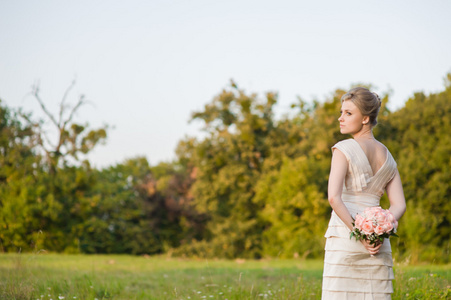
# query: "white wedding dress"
{"type": "Point", "coordinates": [350, 272]}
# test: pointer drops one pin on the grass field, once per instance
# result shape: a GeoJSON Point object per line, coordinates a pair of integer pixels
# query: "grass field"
{"type": "Point", "coordinates": [57, 276]}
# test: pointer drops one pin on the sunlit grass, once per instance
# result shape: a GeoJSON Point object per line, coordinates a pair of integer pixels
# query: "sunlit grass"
{"type": "Point", "coordinates": [56, 276]}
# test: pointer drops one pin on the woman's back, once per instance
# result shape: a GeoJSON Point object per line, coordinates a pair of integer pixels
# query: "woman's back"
{"type": "Point", "coordinates": [366, 173]}
{"type": "Point", "coordinates": [375, 152]}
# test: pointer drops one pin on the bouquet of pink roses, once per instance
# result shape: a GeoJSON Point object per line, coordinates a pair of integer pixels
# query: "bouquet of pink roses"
{"type": "Point", "coordinates": [374, 225]}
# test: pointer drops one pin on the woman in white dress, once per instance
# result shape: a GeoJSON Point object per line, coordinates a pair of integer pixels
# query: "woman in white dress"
{"type": "Point", "coordinates": [361, 170]}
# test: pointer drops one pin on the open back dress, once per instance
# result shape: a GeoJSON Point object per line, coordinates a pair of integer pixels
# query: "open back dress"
{"type": "Point", "coordinates": [350, 272]}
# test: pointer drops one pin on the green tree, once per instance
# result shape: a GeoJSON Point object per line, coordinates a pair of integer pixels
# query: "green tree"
{"type": "Point", "coordinates": [294, 209]}
{"type": "Point", "coordinates": [45, 184]}
{"type": "Point", "coordinates": [19, 183]}
{"type": "Point", "coordinates": [421, 144]}
{"type": "Point", "coordinates": [227, 165]}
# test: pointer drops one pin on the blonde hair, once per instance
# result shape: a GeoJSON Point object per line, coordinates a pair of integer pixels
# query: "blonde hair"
{"type": "Point", "coordinates": [367, 102]}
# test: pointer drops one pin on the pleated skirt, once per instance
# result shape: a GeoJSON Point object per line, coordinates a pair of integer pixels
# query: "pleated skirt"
{"type": "Point", "coordinates": [350, 272]}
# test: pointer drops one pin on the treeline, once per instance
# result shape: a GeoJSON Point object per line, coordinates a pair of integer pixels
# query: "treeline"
{"type": "Point", "coordinates": [255, 186]}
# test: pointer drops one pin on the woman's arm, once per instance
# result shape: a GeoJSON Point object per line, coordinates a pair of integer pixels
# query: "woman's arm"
{"type": "Point", "coordinates": [395, 195]}
{"type": "Point", "coordinates": [339, 167]}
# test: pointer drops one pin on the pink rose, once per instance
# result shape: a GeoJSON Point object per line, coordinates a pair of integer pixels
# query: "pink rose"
{"type": "Point", "coordinates": [379, 230]}
{"type": "Point", "coordinates": [370, 212]}
{"type": "Point", "coordinates": [395, 224]}
{"type": "Point", "coordinates": [388, 226]}
{"type": "Point", "coordinates": [367, 227]}
{"type": "Point", "coordinates": [380, 217]}
{"type": "Point", "coordinates": [359, 221]}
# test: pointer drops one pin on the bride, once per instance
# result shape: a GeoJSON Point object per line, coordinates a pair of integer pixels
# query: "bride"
{"type": "Point", "coordinates": [362, 169]}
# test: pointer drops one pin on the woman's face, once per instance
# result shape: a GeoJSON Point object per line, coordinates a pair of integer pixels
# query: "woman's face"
{"type": "Point", "coordinates": [351, 119]}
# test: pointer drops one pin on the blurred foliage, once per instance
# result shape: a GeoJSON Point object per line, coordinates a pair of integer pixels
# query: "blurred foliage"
{"type": "Point", "coordinates": [255, 186]}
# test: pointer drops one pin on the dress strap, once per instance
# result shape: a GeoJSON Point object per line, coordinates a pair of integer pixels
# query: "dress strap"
{"type": "Point", "coordinates": [359, 169]}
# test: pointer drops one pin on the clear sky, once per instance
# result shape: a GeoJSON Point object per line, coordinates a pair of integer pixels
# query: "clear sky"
{"type": "Point", "coordinates": [147, 65]}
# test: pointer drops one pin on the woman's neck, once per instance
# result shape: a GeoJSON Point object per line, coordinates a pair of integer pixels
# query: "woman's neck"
{"type": "Point", "coordinates": [364, 134]}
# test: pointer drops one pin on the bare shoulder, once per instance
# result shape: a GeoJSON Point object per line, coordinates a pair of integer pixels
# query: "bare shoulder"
{"type": "Point", "coordinates": [381, 146]}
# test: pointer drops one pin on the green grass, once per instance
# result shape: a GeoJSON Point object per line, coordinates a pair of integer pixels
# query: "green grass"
{"type": "Point", "coordinates": [50, 276]}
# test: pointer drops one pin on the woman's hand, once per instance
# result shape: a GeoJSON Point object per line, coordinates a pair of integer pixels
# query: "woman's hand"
{"type": "Point", "coordinates": [372, 249]}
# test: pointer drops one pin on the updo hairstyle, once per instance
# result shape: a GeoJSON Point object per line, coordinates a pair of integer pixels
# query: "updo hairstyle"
{"type": "Point", "coordinates": [367, 102]}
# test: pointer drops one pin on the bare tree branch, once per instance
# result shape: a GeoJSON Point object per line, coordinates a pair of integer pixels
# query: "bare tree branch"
{"type": "Point", "coordinates": [67, 141]}
{"type": "Point", "coordinates": [62, 105]}
{"type": "Point", "coordinates": [35, 92]}
{"type": "Point", "coordinates": [80, 102]}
